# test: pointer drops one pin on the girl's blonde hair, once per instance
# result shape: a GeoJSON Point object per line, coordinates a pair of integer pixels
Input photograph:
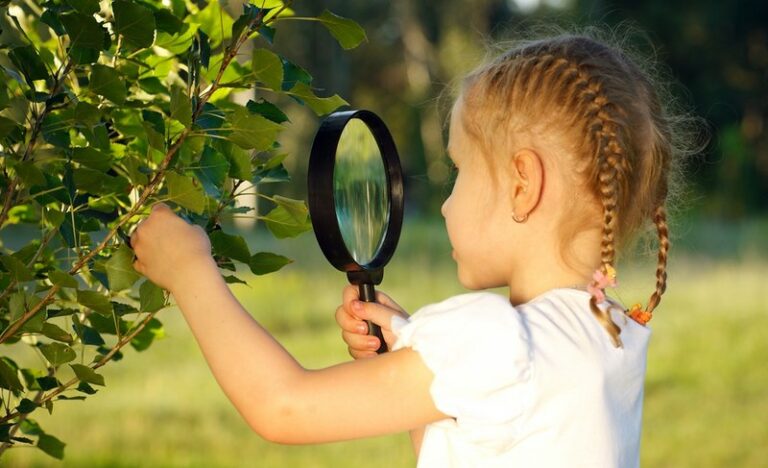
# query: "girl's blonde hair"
{"type": "Point", "coordinates": [612, 118]}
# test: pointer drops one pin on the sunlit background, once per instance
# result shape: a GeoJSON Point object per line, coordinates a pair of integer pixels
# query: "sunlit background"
{"type": "Point", "coordinates": [706, 398]}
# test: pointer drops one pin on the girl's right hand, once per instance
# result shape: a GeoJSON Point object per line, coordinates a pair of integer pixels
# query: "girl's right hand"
{"type": "Point", "coordinates": [352, 314]}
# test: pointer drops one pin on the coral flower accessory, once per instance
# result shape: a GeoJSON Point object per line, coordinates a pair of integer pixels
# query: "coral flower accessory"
{"type": "Point", "coordinates": [639, 315]}
{"type": "Point", "coordinates": [601, 281]}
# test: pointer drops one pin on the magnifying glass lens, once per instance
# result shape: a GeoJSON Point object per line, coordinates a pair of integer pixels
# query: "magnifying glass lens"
{"type": "Point", "coordinates": [360, 192]}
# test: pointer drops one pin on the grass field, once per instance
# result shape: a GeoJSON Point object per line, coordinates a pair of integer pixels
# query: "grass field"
{"type": "Point", "coordinates": [706, 399]}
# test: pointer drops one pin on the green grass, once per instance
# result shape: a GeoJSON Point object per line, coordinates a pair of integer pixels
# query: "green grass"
{"type": "Point", "coordinates": [705, 394]}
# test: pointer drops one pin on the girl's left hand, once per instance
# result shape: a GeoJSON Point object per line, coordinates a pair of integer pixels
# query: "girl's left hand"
{"type": "Point", "coordinates": [167, 247]}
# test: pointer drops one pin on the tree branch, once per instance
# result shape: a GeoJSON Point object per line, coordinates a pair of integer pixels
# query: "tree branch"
{"type": "Point", "coordinates": [107, 357]}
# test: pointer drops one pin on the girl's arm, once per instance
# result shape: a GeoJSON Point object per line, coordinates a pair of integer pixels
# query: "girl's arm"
{"type": "Point", "coordinates": [360, 344]}
{"type": "Point", "coordinates": [276, 396]}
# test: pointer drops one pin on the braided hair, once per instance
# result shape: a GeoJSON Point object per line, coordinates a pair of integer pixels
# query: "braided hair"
{"type": "Point", "coordinates": [614, 121]}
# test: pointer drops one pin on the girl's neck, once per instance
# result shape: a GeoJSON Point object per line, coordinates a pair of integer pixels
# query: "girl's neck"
{"type": "Point", "coordinates": [527, 289]}
{"type": "Point", "coordinates": [545, 269]}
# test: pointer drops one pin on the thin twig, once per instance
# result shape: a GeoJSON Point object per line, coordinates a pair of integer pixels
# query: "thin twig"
{"type": "Point", "coordinates": [107, 357]}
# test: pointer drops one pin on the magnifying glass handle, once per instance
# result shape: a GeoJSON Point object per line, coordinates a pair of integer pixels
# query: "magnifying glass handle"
{"type": "Point", "coordinates": [368, 294]}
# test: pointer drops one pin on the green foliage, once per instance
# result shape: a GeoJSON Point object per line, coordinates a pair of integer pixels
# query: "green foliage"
{"type": "Point", "coordinates": [106, 108]}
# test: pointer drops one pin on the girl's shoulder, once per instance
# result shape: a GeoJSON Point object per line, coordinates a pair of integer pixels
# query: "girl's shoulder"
{"type": "Point", "coordinates": [468, 302]}
{"type": "Point", "coordinates": [466, 328]}
{"type": "Point", "coordinates": [466, 314]}
{"type": "Point", "coordinates": [479, 352]}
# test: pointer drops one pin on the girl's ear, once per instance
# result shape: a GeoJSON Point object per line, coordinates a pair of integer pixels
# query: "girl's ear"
{"type": "Point", "coordinates": [527, 181]}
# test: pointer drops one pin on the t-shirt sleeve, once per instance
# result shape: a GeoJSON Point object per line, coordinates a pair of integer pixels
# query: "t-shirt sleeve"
{"type": "Point", "coordinates": [480, 355]}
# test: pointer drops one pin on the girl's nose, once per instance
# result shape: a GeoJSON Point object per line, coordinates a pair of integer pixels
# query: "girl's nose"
{"type": "Point", "coordinates": [444, 207]}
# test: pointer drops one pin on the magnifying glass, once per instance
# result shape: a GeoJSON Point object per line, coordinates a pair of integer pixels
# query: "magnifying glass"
{"type": "Point", "coordinates": [355, 191]}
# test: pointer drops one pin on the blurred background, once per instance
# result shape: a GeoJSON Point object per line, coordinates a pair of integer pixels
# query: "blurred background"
{"type": "Point", "coordinates": [706, 397]}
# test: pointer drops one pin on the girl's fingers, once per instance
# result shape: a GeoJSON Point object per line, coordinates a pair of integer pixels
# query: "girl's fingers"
{"type": "Point", "coordinates": [350, 323]}
{"type": "Point", "coordinates": [379, 314]}
{"type": "Point", "coordinates": [362, 343]}
{"type": "Point", "coordinates": [349, 294]}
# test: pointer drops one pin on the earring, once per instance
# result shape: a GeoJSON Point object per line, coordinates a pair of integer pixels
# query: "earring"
{"type": "Point", "coordinates": [520, 220]}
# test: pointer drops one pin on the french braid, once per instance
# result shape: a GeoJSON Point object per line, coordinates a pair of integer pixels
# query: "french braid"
{"type": "Point", "coordinates": [613, 116]}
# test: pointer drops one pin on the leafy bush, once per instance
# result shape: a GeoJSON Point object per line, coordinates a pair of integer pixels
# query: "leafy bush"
{"type": "Point", "coordinates": [105, 108]}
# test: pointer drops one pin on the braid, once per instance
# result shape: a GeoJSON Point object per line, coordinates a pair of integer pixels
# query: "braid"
{"type": "Point", "coordinates": [603, 130]}
{"type": "Point", "coordinates": [609, 155]}
{"type": "Point", "coordinates": [660, 220]}
{"type": "Point", "coordinates": [613, 123]}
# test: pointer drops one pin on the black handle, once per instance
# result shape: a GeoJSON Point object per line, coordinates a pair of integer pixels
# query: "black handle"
{"type": "Point", "coordinates": [368, 294]}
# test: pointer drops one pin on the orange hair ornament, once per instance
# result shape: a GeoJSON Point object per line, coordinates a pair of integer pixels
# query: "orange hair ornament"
{"type": "Point", "coordinates": [607, 277]}
{"type": "Point", "coordinates": [639, 315]}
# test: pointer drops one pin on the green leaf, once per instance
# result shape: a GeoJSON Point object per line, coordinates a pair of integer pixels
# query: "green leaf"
{"type": "Point", "coordinates": [250, 13]}
{"type": "Point", "coordinates": [293, 74]}
{"type": "Point", "coordinates": [30, 173]}
{"type": "Point", "coordinates": [251, 131]}
{"type": "Point", "coordinates": [239, 162]}
{"type": "Point", "coordinates": [51, 18]}
{"type": "Point", "coordinates": [151, 297]}
{"type": "Point", "coordinates": [48, 383]}
{"type": "Point", "coordinates": [9, 377]}
{"type": "Point", "coordinates": [90, 336]}
{"type": "Point", "coordinates": [105, 81]}
{"type": "Point", "coordinates": [85, 56]}
{"type": "Point", "coordinates": [87, 374]}
{"type": "Point", "coordinates": [215, 22]}
{"type": "Point", "coordinates": [83, 30]}
{"type": "Point", "coordinates": [289, 219]}
{"type": "Point", "coordinates": [65, 280]}
{"type": "Point", "coordinates": [184, 191]}
{"type": "Point", "coordinates": [268, 68]}
{"type": "Point", "coordinates": [87, 389]}
{"type": "Point", "coordinates": [17, 304]}
{"type": "Point", "coordinates": [348, 33]}
{"type": "Point", "coordinates": [262, 263]}
{"type": "Point", "coordinates": [55, 332]}
{"type": "Point", "coordinates": [57, 353]}
{"type": "Point", "coordinates": [99, 183]}
{"type": "Point", "coordinates": [94, 300]}
{"type": "Point", "coordinates": [30, 426]}
{"type": "Point", "coordinates": [26, 406]}
{"type": "Point", "coordinates": [266, 109]}
{"type": "Point", "coordinates": [153, 85]}
{"type": "Point", "coordinates": [51, 445]}
{"type": "Point", "coordinates": [85, 7]}
{"type": "Point", "coordinates": [16, 268]}
{"type": "Point", "coordinates": [104, 324]}
{"type": "Point", "coordinates": [87, 114]}
{"type": "Point", "coordinates": [168, 22]}
{"type": "Point", "coordinates": [120, 269]}
{"type": "Point", "coordinates": [151, 331]}
{"type": "Point", "coordinates": [230, 246]}
{"type": "Point", "coordinates": [321, 106]}
{"type": "Point", "coordinates": [29, 63]}
{"type": "Point", "coordinates": [35, 323]}
{"type": "Point", "coordinates": [92, 158]}
{"type": "Point", "coordinates": [6, 127]}
{"type": "Point", "coordinates": [179, 42]}
{"type": "Point", "coordinates": [212, 171]}
{"type": "Point", "coordinates": [135, 23]}
{"type": "Point", "coordinates": [181, 107]}
{"type": "Point", "coordinates": [56, 131]}
{"type": "Point", "coordinates": [231, 279]}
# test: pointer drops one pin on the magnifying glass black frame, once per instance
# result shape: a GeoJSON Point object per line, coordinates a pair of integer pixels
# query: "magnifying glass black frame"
{"type": "Point", "coordinates": [322, 204]}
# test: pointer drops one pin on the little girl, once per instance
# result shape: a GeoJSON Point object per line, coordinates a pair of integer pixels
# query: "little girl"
{"type": "Point", "coordinates": [564, 150]}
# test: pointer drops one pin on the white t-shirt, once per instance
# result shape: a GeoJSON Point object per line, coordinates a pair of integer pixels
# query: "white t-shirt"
{"type": "Point", "coordinates": [537, 385]}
